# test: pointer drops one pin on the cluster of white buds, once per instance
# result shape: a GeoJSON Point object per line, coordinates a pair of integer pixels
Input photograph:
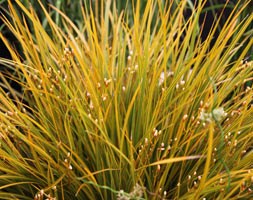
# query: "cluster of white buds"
{"type": "Point", "coordinates": [107, 81]}
{"type": "Point", "coordinates": [67, 161]}
{"type": "Point", "coordinates": [129, 57]}
{"type": "Point", "coordinates": [67, 51]}
{"type": "Point", "coordinates": [217, 114]}
{"type": "Point", "coordinates": [163, 76]}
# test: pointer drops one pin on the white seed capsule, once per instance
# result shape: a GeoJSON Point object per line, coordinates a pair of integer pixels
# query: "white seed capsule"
{"type": "Point", "coordinates": [182, 82]}
{"type": "Point", "coordinates": [185, 117]}
{"type": "Point", "coordinates": [104, 98]}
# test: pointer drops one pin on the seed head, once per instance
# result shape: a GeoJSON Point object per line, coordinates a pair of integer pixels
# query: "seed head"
{"type": "Point", "coordinates": [182, 82]}
{"type": "Point", "coordinates": [185, 117]}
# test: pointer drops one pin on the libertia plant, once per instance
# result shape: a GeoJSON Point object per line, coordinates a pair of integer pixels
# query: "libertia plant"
{"type": "Point", "coordinates": [121, 111]}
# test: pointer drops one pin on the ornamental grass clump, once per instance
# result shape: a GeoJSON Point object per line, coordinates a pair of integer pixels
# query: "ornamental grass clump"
{"type": "Point", "coordinates": [126, 111]}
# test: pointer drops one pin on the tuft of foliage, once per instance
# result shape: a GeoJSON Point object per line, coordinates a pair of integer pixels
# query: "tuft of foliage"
{"type": "Point", "coordinates": [126, 111]}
